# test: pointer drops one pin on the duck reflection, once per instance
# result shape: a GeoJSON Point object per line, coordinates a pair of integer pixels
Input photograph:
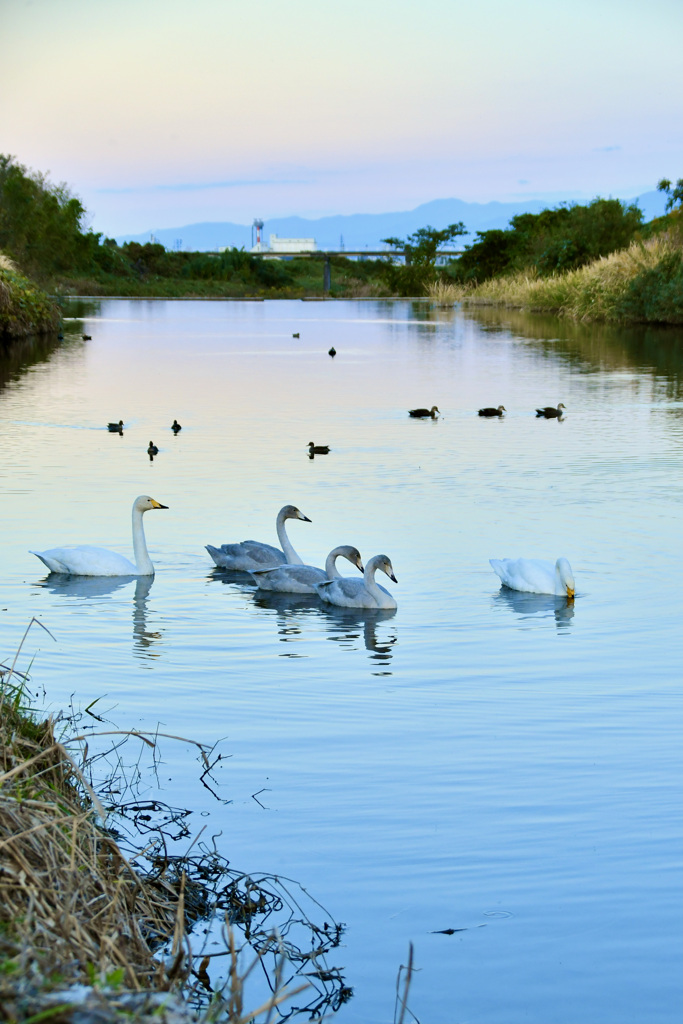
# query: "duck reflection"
{"type": "Point", "coordinates": [525, 605]}
{"type": "Point", "coordinates": [89, 587]}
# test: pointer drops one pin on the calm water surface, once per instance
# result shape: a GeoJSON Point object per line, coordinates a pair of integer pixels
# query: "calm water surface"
{"type": "Point", "coordinates": [481, 760]}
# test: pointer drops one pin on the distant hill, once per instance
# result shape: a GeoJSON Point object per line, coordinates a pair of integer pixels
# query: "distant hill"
{"type": "Point", "coordinates": [364, 230]}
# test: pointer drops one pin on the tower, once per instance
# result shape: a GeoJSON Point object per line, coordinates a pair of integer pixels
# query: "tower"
{"type": "Point", "coordinates": [258, 227]}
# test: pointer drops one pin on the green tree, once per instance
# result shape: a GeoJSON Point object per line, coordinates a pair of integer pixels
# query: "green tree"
{"type": "Point", "coordinates": [41, 224]}
{"type": "Point", "coordinates": [674, 192]}
{"type": "Point", "coordinates": [421, 253]}
{"type": "Point", "coordinates": [551, 241]}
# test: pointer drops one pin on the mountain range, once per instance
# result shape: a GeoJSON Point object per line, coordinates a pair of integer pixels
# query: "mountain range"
{"type": "Point", "coordinates": [365, 230]}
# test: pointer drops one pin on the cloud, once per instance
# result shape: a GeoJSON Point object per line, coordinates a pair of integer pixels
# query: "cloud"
{"type": "Point", "coordinates": [607, 149]}
{"type": "Point", "coordinates": [197, 186]}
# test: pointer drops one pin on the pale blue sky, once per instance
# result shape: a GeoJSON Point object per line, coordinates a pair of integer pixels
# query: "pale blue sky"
{"type": "Point", "coordinates": [160, 113]}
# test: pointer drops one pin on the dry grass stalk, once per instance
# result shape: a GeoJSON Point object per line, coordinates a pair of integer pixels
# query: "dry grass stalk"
{"type": "Point", "coordinates": [70, 903]}
{"type": "Point", "coordinates": [401, 1004]}
{"type": "Point", "coordinates": [446, 293]}
{"type": "Point", "coordinates": [74, 911]}
{"type": "Point", "coordinates": [6, 263]}
{"type": "Point", "coordinates": [5, 291]}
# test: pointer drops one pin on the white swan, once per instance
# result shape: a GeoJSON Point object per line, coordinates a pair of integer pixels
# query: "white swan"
{"type": "Point", "coordinates": [253, 554]}
{"type": "Point", "coordinates": [301, 579]}
{"type": "Point", "coordinates": [365, 593]}
{"type": "Point", "coordinates": [86, 560]}
{"type": "Point", "coordinates": [536, 576]}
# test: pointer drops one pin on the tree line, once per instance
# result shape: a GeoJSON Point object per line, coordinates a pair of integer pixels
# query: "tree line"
{"type": "Point", "coordinates": [43, 228]}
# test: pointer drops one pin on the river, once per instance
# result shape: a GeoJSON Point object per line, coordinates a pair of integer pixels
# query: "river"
{"type": "Point", "coordinates": [491, 776]}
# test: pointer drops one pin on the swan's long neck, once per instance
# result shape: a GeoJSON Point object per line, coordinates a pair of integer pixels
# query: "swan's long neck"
{"type": "Point", "coordinates": [369, 581]}
{"type": "Point", "coordinates": [290, 553]}
{"type": "Point", "coordinates": [143, 562]}
{"type": "Point", "coordinates": [559, 589]}
{"type": "Point", "coordinates": [331, 564]}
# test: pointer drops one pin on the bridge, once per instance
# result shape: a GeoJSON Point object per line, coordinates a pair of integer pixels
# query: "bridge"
{"type": "Point", "coordinates": [327, 255]}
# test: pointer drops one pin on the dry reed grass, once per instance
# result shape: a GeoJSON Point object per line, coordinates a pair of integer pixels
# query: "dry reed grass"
{"type": "Point", "coordinates": [446, 293]}
{"type": "Point", "coordinates": [5, 290]}
{"type": "Point", "coordinates": [7, 264]}
{"type": "Point", "coordinates": [78, 916]}
{"type": "Point", "coordinates": [589, 293]}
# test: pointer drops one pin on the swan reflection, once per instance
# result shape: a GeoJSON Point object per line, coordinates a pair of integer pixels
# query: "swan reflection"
{"type": "Point", "coordinates": [242, 581]}
{"type": "Point", "coordinates": [143, 639]}
{"type": "Point", "coordinates": [349, 625]}
{"type": "Point", "coordinates": [525, 605]}
{"type": "Point", "coordinates": [89, 587]}
{"type": "Point", "coordinates": [297, 614]}
{"type": "Point", "coordinates": [285, 603]}
{"type": "Point", "coordinates": [84, 586]}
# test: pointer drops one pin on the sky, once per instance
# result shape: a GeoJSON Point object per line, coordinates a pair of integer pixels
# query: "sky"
{"type": "Point", "coordinates": [162, 113]}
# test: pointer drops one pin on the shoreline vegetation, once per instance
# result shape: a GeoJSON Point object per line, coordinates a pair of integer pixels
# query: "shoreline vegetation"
{"type": "Point", "coordinates": [25, 309]}
{"type": "Point", "coordinates": [96, 915]}
{"type": "Point", "coordinates": [595, 262]}
{"type": "Point", "coordinates": [640, 284]}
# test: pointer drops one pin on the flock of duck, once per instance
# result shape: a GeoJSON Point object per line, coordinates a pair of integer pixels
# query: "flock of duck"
{"type": "Point", "coordinates": [152, 449]}
{"type": "Point", "coordinates": [549, 412]}
{"type": "Point", "coordinates": [283, 571]}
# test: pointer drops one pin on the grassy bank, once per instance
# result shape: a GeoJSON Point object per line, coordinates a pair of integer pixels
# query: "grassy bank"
{"type": "Point", "coordinates": [24, 308]}
{"type": "Point", "coordinates": [640, 284]}
{"type": "Point", "coordinates": [176, 275]}
{"type": "Point", "coordinates": [92, 927]}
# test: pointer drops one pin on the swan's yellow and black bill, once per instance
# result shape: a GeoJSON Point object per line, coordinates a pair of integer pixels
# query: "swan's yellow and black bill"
{"type": "Point", "coordinates": [157, 504]}
{"type": "Point", "coordinates": [570, 593]}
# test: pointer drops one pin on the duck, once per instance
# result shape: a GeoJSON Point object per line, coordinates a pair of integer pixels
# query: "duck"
{"type": "Point", "coordinates": [536, 576]}
{"type": "Point", "coordinates": [318, 449]}
{"type": "Point", "coordinates": [366, 593]}
{"type": "Point", "coordinates": [87, 337]}
{"type": "Point", "coordinates": [175, 426]}
{"type": "Point", "coordinates": [152, 449]}
{"type": "Point", "coordinates": [86, 560]}
{"type": "Point", "coordinates": [332, 352]}
{"type": "Point", "coordinates": [550, 412]}
{"type": "Point", "coordinates": [253, 554]}
{"type": "Point", "coordinates": [489, 411]}
{"type": "Point", "coordinates": [297, 335]}
{"type": "Point", "coordinates": [115, 428]}
{"type": "Point", "coordinates": [301, 579]}
{"type": "Point", "coordinates": [421, 413]}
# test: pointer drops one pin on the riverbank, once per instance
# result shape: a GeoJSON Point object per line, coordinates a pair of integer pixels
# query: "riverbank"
{"type": "Point", "coordinates": [89, 934]}
{"type": "Point", "coordinates": [24, 308]}
{"type": "Point", "coordinates": [640, 284]}
{"type": "Point", "coordinates": [229, 276]}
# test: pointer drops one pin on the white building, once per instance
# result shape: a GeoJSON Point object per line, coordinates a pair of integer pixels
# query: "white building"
{"type": "Point", "coordinates": [285, 246]}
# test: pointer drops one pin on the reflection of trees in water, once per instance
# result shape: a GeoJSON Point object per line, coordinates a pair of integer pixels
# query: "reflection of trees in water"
{"type": "Point", "coordinates": [647, 348]}
{"type": "Point", "coordinates": [526, 605]}
{"type": "Point", "coordinates": [21, 354]}
{"type": "Point", "coordinates": [93, 587]}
